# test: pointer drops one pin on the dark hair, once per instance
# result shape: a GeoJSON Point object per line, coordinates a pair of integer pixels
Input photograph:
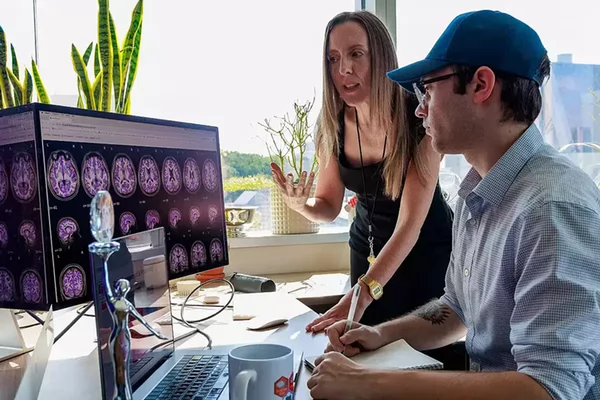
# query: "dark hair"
{"type": "Point", "coordinates": [521, 97]}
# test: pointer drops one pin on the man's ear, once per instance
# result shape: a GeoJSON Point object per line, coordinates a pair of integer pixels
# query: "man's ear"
{"type": "Point", "coordinates": [483, 84]}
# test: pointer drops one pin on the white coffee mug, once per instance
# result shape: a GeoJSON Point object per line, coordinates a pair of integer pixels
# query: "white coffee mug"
{"type": "Point", "coordinates": [261, 372]}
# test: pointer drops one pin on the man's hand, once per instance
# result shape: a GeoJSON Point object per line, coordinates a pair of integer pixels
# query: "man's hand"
{"type": "Point", "coordinates": [358, 338]}
{"type": "Point", "coordinates": [339, 312]}
{"type": "Point", "coordinates": [337, 377]}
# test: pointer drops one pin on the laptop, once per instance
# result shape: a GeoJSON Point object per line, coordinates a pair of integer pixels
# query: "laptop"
{"type": "Point", "coordinates": [157, 371]}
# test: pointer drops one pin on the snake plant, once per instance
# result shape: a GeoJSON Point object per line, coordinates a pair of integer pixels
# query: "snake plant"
{"type": "Point", "coordinates": [115, 68]}
{"type": "Point", "coordinates": [14, 92]}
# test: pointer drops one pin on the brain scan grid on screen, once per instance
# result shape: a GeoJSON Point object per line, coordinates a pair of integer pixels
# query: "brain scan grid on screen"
{"type": "Point", "coordinates": [168, 180]}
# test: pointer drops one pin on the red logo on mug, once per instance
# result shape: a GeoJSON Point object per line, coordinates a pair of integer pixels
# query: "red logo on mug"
{"type": "Point", "coordinates": [281, 387]}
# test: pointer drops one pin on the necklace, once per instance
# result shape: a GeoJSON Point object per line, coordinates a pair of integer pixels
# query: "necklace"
{"type": "Point", "coordinates": [371, 257]}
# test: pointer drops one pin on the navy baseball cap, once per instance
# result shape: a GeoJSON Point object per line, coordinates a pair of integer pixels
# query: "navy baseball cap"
{"type": "Point", "coordinates": [480, 38]}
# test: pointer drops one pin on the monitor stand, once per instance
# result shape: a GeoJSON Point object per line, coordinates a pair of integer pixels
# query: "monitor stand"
{"type": "Point", "coordinates": [11, 340]}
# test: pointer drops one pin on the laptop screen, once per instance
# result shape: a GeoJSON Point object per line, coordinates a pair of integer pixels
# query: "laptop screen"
{"type": "Point", "coordinates": [141, 260]}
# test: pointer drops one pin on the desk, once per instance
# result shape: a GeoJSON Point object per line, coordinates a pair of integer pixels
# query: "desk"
{"type": "Point", "coordinates": [73, 371]}
{"type": "Point", "coordinates": [316, 290]}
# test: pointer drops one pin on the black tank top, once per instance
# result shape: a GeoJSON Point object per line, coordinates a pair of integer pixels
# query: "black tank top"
{"type": "Point", "coordinates": [437, 228]}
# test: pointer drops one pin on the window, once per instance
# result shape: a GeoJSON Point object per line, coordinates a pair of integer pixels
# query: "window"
{"type": "Point", "coordinates": [19, 32]}
{"type": "Point", "coordinates": [230, 64]}
{"type": "Point", "coordinates": [570, 117]}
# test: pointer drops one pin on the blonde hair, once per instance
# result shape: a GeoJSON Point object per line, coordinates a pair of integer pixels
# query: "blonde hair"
{"type": "Point", "coordinates": [392, 108]}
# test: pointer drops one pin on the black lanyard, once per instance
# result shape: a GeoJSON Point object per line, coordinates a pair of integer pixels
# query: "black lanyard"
{"type": "Point", "coordinates": [371, 257]}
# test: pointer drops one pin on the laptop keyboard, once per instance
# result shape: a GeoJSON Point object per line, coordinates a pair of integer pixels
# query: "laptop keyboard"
{"type": "Point", "coordinates": [193, 378]}
{"type": "Point", "coordinates": [136, 367]}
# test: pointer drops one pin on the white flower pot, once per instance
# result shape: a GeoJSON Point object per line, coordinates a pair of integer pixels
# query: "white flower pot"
{"type": "Point", "coordinates": [285, 221]}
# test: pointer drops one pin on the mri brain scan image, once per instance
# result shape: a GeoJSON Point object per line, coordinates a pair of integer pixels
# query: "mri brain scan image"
{"type": "Point", "coordinates": [7, 285]}
{"type": "Point", "coordinates": [210, 176]}
{"type": "Point", "coordinates": [216, 250]}
{"type": "Point", "coordinates": [28, 232]}
{"type": "Point", "coordinates": [63, 175]}
{"type": "Point", "coordinates": [171, 176]}
{"type": "Point", "coordinates": [178, 259]}
{"type": "Point", "coordinates": [149, 176]}
{"type": "Point", "coordinates": [123, 175]}
{"type": "Point", "coordinates": [67, 228]}
{"type": "Point", "coordinates": [3, 182]}
{"type": "Point", "coordinates": [198, 253]}
{"type": "Point", "coordinates": [23, 179]}
{"type": "Point", "coordinates": [72, 281]}
{"type": "Point", "coordinates": [191, 175]}
{"type": "Point", "coordinates": [194, 214]}
{"type": "Point", "coordinates": [3, 235]}
{"type": "Point", "coordinates": [95, 175]}
{"type": "Point", "coordinates": [213, 214]}
{"type": "Point", "coordinates": [152, 219]}
{"type": "Point", "coordinates": [127, 222]}
{"type": "Point", "coordinates": [31, 286]}
{"type": "Point", "coordinates": [174, 217]}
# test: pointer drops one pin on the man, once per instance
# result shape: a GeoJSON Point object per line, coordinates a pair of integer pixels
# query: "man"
{"type": "Point", "coordinates": [523, 282]}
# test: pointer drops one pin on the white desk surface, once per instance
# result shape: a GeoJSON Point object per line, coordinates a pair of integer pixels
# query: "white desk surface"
{"type": "Point", "coordinates": [73, 371]}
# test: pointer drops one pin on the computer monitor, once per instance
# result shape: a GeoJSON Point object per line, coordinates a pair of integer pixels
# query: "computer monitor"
{"type": "Point", "coordinates": [54, 159]}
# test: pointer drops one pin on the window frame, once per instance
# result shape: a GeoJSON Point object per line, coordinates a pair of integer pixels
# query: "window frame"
{"type": "Point", "coordinates": [386, 10]}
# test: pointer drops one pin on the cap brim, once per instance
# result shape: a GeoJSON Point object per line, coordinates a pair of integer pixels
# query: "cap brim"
{"type": "Point", "coordinates": [412, 73]}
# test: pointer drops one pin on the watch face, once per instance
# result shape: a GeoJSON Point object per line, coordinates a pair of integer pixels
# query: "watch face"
{"type": "Point", "coordinates": [375, 289]}
{"type": "Point", "coordinates": [377, 292]}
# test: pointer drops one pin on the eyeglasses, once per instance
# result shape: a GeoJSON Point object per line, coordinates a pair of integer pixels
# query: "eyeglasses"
{"type": "Point", "coordinates": [421, 91]}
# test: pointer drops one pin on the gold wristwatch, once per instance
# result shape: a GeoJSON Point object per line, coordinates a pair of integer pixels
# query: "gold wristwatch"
{"type": "Point", "coordinates": [375, 288]}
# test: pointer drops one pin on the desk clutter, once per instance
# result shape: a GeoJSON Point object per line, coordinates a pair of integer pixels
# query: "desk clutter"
{"type": "Point", "coordinates": [116, 259]}
{"type": "Point", "coordinates": [264, 310]}
{"type": "Point", "coordinates": [137, 356]}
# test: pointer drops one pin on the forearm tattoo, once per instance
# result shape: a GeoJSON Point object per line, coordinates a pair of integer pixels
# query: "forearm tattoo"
{"type": "Point", "coordinates": [435, 312]}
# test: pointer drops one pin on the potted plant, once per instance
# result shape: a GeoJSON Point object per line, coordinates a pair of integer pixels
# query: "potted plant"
{"type": "Point", "coordinates": [288, 146]}
{"type": "Point", "coordinates": [115, 68]}
{"type": "Point", "coordinates": [13, 92]}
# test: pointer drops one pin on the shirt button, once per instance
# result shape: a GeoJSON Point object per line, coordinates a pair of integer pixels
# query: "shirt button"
{"type": "Point", "coordinates": [474, 366]}
{"type": "Point", "coordinates": [466, 272]}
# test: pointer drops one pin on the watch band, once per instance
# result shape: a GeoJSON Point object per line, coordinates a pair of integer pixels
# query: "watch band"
{"type": "Point", "coordinates": [375, 288]}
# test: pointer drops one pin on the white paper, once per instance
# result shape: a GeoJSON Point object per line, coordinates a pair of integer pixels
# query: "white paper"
{"type": "Point", "coordinates": [396, 355]}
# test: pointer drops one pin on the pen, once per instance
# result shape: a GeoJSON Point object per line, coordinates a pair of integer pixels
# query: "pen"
{"type": "Point", "coordinates": [309, 366]}
{"type": "Point", "coordinates": [350, 320]}
{"type": "Point", "coordinates": [297, 377]}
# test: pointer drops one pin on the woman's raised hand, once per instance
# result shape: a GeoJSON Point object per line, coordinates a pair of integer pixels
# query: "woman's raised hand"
{"type": "Point", "coordinates": [295, 196]}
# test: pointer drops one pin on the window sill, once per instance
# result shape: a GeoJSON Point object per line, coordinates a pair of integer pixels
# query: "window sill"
{"type": "Point", "coordinates": [266, 238]}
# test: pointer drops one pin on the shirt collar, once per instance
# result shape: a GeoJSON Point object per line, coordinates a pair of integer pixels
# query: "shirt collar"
{"type": "Point", "coordinates": [496, 183]}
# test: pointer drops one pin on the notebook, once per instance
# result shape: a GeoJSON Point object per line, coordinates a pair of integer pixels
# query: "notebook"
{"type": "Point", "coordinates": [396, 355]}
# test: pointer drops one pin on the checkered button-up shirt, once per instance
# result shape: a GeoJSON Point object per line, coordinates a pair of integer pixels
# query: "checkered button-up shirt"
{"type": "Point", "coordinates": [524, 276]}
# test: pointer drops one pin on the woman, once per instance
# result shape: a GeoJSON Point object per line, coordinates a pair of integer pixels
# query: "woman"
{"type": "Point", "coordinates": [370, 142]}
